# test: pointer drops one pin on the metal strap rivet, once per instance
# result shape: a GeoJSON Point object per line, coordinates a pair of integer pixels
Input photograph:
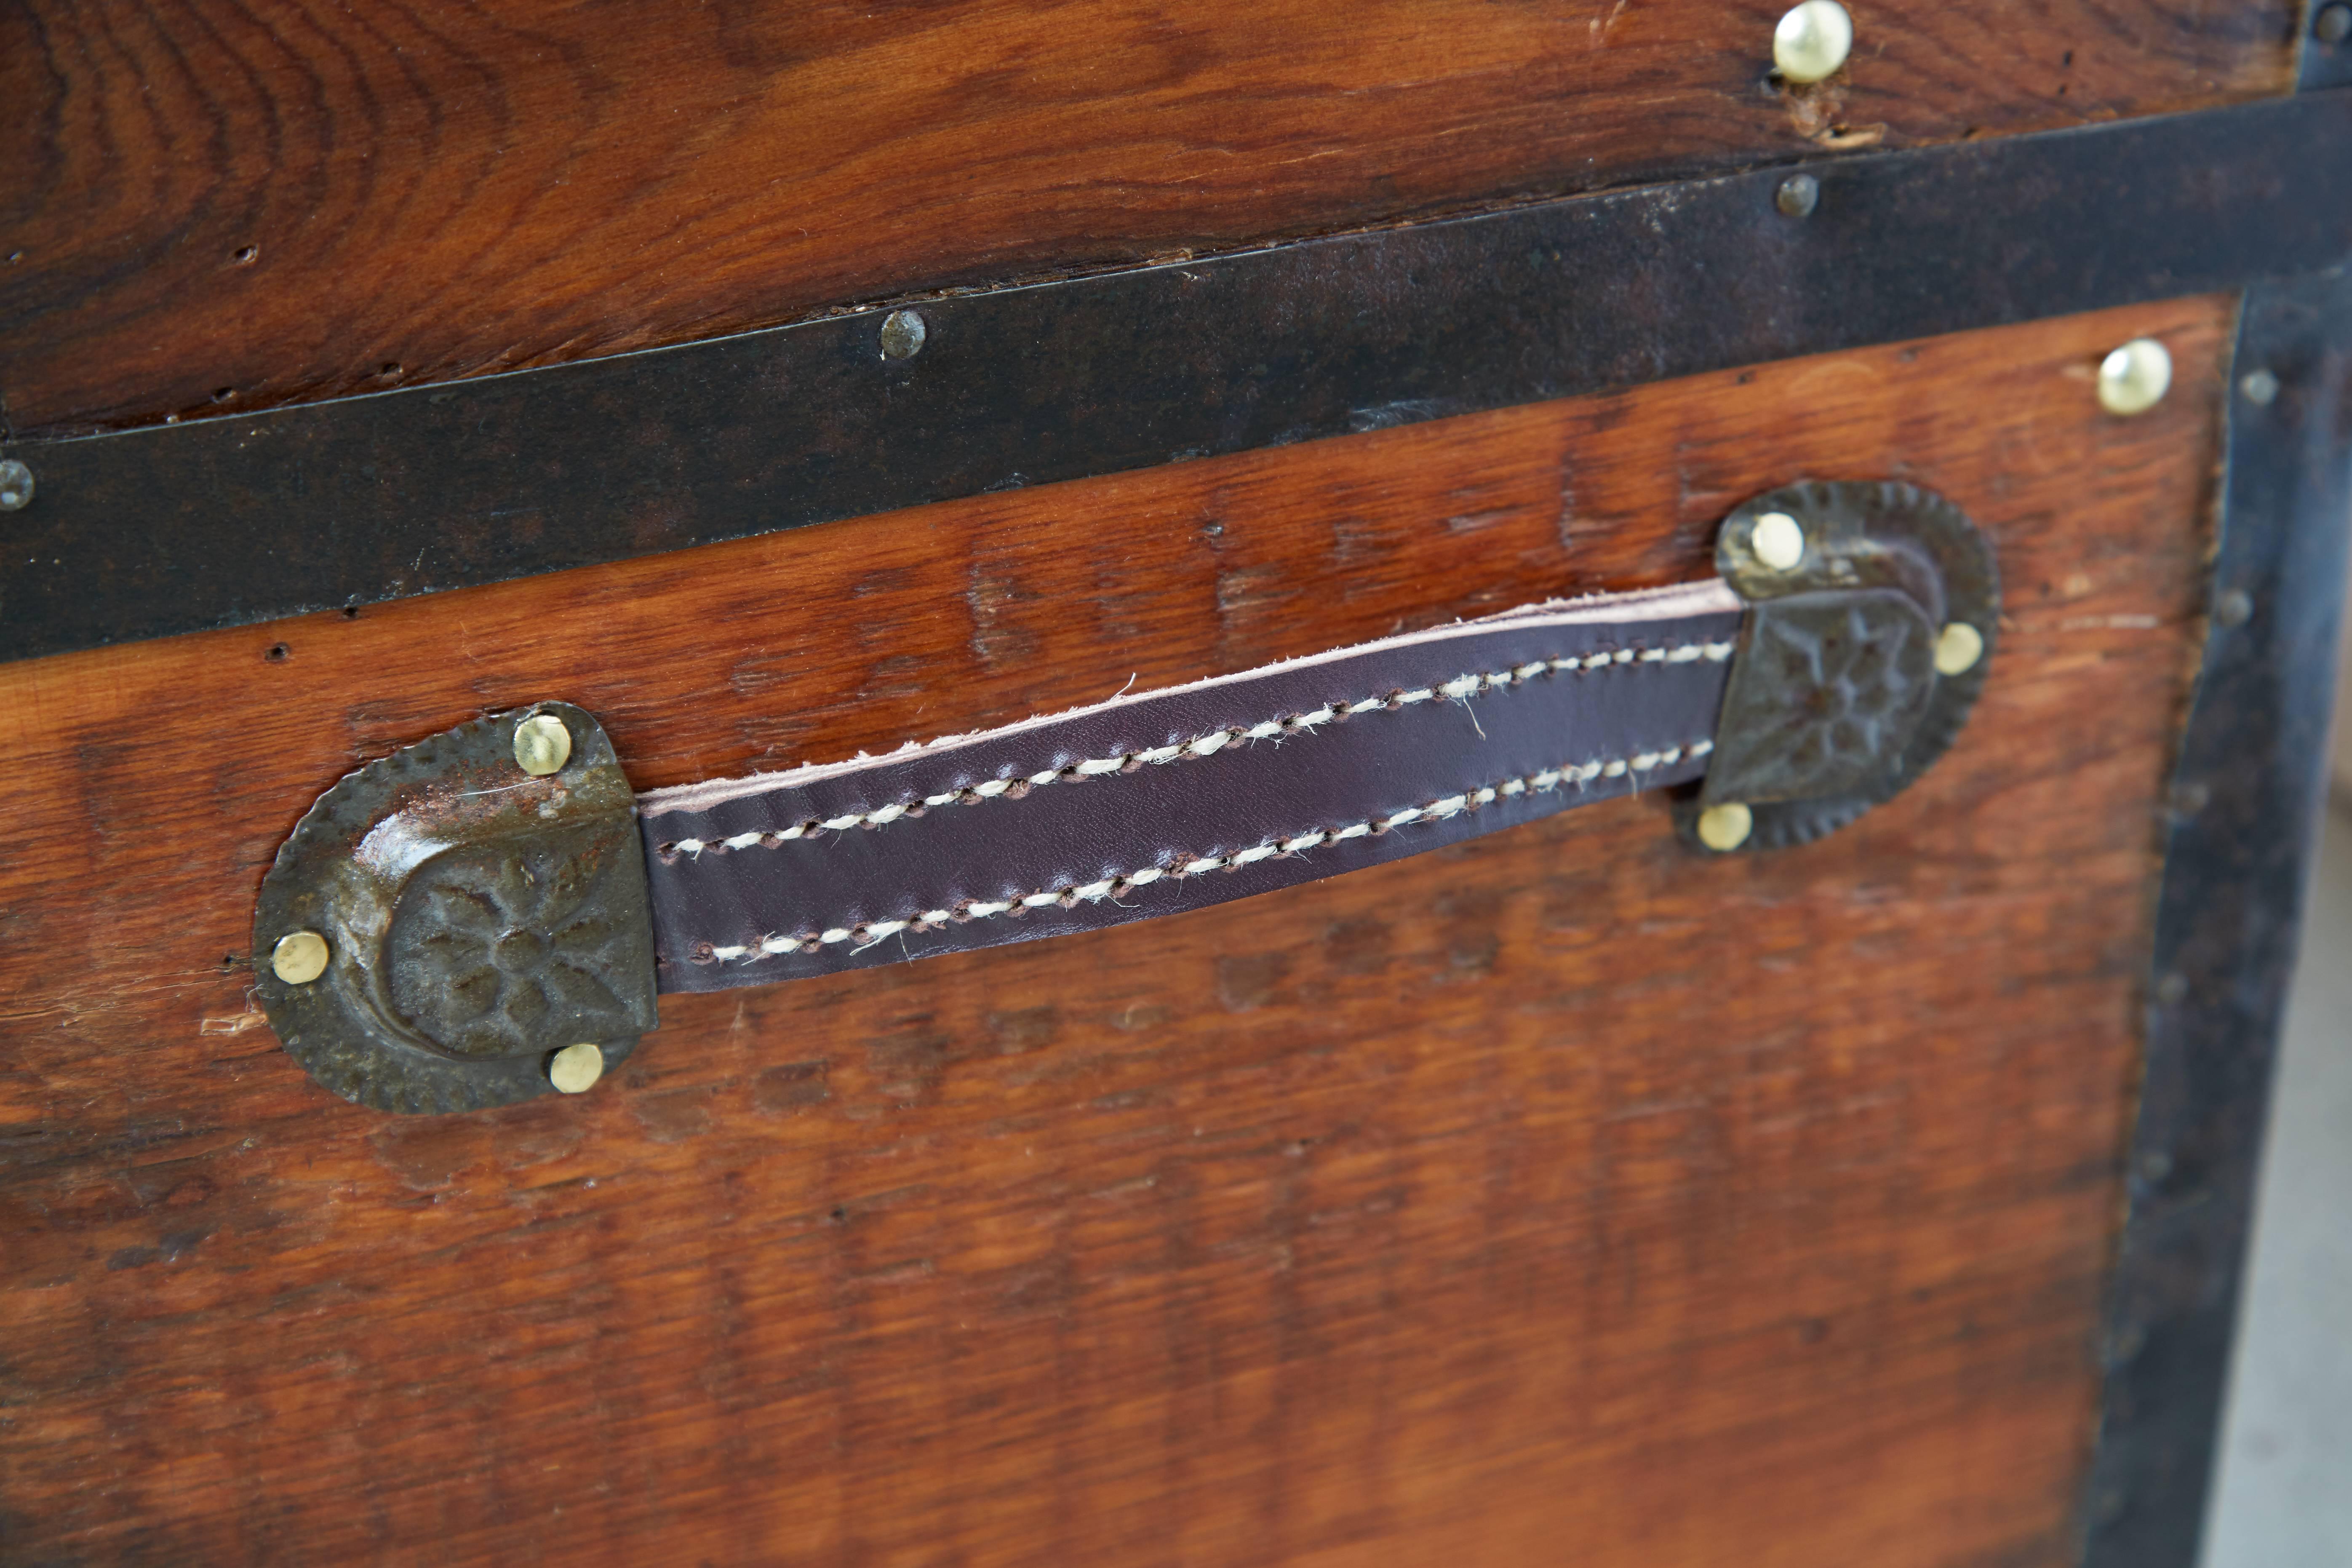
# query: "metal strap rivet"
{"type": "Point", "coordinates": [300, 957]}
{"type": "Point", "coordinates": [541, 745]}
{"type": "Point", "coordinates": [574, 1069]}
{"type": "Point", "coordinates": [1957, 648]}
{"type": "Point", "coordinates": [1778, 541]}
{"type": "Point", "coordinates": [2134, 378]}
{"type": "Point", "coordinates": [1812, 40]}
{"type": "Point", "coordinates": [1726, 827]}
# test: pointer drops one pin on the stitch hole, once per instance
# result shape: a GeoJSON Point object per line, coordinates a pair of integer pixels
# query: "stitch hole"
{"type": "Point", "coordinates": [811, 943]}
{"type": "Point", "coordinates": [277, 653]}
{"type": "Point", "coordinates": [703, 952]}
{"type": "Point", "coordinates": [1130, 763]}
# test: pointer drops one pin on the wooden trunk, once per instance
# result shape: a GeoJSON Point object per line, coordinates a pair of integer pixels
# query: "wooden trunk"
{"type": "Point", "coordinates": [1563, 1195]}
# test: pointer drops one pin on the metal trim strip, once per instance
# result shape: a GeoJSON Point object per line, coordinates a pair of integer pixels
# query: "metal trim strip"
{"type": "Point", "coordinates": [228, 522]}
{"type": "Point", "coordinates": [2247, 793]}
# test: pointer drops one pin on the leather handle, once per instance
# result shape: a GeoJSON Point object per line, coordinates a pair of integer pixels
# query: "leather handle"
{"type": "Point", "coordinates": [489, 912]}
{"type": "Point", "coordinates": [1162, 802]}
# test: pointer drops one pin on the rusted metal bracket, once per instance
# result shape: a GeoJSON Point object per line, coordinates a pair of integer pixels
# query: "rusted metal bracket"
{"type": "Point", "coordinates": [446, 920]}
{"type": "Point", "coordinates": [1859, 659]}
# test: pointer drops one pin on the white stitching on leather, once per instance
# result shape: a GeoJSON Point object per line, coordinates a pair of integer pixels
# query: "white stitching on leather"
{"type": "Point", "coordinates": [866, 935]}
{"type": "Point", "coordinates": [1461, 688]}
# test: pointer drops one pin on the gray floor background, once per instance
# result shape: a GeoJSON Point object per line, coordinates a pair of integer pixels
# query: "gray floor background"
{"type": "Point", "coordinates": [2284, 1498]}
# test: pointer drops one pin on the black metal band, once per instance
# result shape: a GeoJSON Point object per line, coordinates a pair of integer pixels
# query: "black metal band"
{"type": "Point", "coordinates": [2246, 797]}
{"type": "Point", "coordinates": [233, 520]}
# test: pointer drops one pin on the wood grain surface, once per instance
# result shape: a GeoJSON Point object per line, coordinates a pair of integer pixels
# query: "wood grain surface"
{"type": "Point", "coordinates": [1563, 1197]}
{"type": "Point", "coordinates": [213, 205]}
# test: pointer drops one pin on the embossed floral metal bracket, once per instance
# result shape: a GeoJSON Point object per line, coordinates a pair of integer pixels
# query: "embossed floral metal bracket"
{"type": "Point", "coordinates": [490, 913]}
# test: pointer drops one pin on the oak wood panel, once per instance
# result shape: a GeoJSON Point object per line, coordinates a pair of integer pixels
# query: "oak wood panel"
{"type": "Point", "coordinates": [214, 205]}
{"type": "Point", "coordinates": [1562, 1194]}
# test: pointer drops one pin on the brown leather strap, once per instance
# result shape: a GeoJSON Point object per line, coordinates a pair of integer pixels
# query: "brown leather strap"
{"type": "Point", "coordinates": [1162, 802]}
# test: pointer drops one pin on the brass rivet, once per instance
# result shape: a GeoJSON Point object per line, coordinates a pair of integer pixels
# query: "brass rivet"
{"type": "Point", "coordinates": [541, 745]}
{"type": "Point", "coordinates": [300, 957]}
{"type": "Point", "coordinates": [1812, 40]}
{"type": "Point", "coordinates": [903, 332]}
{"type": "Point", "coordinates": [1958, 648]}
{"type": "Point", "coordinates": [574, 1069]}
{"type": "Point", "coordinates": [15, 485]}
{"type": "Point", "coordinates": [1777, 540]}
{"type": "Point", "coordinates": [2134, 378]}
{"type": "Point", "coordinates": [1726, 826]}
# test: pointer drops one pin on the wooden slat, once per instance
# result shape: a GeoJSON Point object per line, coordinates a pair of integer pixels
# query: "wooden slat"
{"type": "Point", "coordinates": [1561, 1197]}
{"type": "Point", "coordinates": [220, 205]}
